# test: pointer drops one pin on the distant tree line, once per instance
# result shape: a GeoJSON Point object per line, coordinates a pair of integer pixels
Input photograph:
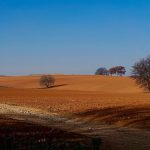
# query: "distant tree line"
{"type": "Point", "coordinates": [117, 70]}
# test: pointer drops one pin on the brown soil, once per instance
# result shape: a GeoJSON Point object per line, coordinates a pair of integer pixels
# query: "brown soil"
{"type": "Point", "coordinates": [112, 107]}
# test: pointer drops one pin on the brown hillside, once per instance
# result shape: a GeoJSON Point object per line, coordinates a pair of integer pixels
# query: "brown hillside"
{"type": "Point", "coordinates": [77, 83]}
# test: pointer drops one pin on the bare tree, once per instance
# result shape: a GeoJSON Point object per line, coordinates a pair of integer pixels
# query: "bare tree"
{"type": "Point", "coordinates": [101, 71]}
{"type": "Point", "coordinates": [46, 81]}
{"type": "Point", "coordinates": [141, 72]}
{"type": "Point", "coordinates": [118, 70]}
{"type": "Point", "coordinates": [112, 71]}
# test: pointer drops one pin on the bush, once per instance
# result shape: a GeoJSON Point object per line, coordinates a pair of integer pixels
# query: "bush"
{"type": "Point", "coordinates": [46, 81]}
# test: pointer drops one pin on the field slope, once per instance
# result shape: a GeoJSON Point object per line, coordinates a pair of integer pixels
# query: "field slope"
{"type": "Point", "coordinates": [110, 107]}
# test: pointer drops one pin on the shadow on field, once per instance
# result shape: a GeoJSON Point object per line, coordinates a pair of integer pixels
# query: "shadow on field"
{"type": "Point", "coordinates": [21, 135]}
{"type": "Point", "coordinates": [59, 85]}
{"type": "Point", "coordinates": [4, 87]}
{"type": "Point", "coordinates": [121, 116]}
{"type": "Point", "coordinates": [54, 86]}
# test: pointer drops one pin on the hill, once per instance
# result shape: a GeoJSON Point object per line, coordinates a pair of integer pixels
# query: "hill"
{"type": "Point", "coordinates": [77, 83]}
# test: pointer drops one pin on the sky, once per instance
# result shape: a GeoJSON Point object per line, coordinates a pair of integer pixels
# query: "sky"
{"type": "Point", "coordinates": [72, 36]}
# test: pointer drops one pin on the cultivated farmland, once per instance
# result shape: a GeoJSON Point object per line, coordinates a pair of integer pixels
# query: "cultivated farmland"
{"type": "Point", "coordinates": [113, 108]}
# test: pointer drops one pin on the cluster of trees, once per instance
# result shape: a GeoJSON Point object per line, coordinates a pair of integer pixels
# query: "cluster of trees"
{"type": "Point", "coordinates": [117, 70]}
{"type": "Point", "coordinates": [140, 72]}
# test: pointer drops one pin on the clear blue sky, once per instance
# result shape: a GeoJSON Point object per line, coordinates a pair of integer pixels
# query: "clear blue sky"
{"type": "Point", "coordinates": [72, 36]}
